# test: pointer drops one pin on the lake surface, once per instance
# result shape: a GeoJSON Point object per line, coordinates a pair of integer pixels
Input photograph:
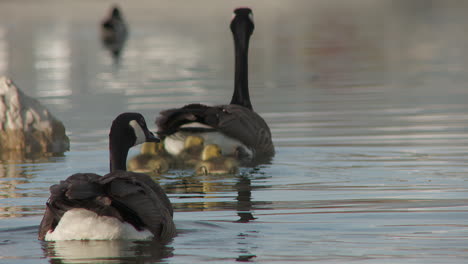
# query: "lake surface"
{"type": "Point", "coordinates": [367, 102]}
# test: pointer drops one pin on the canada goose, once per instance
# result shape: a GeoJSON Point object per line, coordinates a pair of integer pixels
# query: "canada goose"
{"type": "Point", "coordinates": [235, 127]}
{"type": "Point", "coordinates": [114, 32]}
{"type": "Point", "coordinates": [153, 159]}
{"type": "Point", "coordinates": [213, 162]}
{"type": "Point", "coordinates": [190, 155]}
{"type": "Point", "coordinates": [119, 205]}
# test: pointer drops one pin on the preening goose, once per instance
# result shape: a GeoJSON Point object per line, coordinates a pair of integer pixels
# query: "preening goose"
{"type": "Point", "coordinates": [119, 205]}
{"type": "Point", "coordinates": [114, 32]}
{"type": "Point", "coordinates": [235, 127]}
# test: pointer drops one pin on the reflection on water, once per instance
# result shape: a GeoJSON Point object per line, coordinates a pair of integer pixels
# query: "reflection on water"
{"type": "Point", "coordinates": [3, 50]}
{"type": "Point", "coordinates": [52, 57]}
{"type": "Point", "coordinates": [209, 192]}
{"type": "Point", "coordinates": [17, 172]}
{"type": "Point", "coordinates": [11, 176]}
{"type": "Point", "coordinates": [106, 251]}
{"type": "Point", "coordinates": [244, 200]}
{"type": "Point", "coordinates": [366, 101]}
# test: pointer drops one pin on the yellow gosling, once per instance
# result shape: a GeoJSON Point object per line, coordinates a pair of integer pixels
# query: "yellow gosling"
{"type": "Point", "coordinates": [213, 162]}
{"type": "Point", "coordinates": [153, 158]}
{"type": "Point", "coordinates": [190, 155]}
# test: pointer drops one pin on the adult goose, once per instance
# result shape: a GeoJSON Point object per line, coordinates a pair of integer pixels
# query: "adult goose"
{"type": "Point", "coordinates": [235, 127]}
{"type": "Point", "coordinates": [119, 205]}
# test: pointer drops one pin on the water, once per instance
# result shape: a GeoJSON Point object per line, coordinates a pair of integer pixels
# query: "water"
{"type": "Point", "coordinates": [366, 101]}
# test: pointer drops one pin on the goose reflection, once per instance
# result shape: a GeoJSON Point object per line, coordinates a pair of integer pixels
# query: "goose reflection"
{"type": "Point", "coordinates": [208, 188]}
{"type": "Point", "coordinates": [244, 200]}
{"type": "Point", "coordinates": [112, 251]}
{"type": "Point", "coordinates": [205, 187]}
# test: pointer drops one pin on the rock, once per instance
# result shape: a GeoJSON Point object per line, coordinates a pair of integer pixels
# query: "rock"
{"type": "Point", "coordinates": [26, 125]}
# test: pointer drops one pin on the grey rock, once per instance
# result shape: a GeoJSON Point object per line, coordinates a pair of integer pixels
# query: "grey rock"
{"type": "Point", "coordinates": [26, 125]}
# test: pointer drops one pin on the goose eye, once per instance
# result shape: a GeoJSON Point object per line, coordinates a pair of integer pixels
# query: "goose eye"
{"type": "Point", "coordinates": [142, 122]}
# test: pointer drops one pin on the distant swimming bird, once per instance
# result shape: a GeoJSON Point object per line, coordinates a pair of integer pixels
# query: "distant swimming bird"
{"type": "Point", "coordinates": [153, 159]}
{"type": "Point", "coordinates": [119, 205]}
{"type": "Point", "coordinates": [114, 32]}
{"type": "Point", "coordinates": [213, 162]}
{"type": "Point", "coordinates": [235, 127]}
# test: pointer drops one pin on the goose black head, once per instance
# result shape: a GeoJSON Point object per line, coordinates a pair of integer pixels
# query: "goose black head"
{"type": "Point", "coordinates": [116, 12]}
{"type": "Point", "coordinates": [129, 129]}
{"type": "Point", "coordinates": [242, 21]}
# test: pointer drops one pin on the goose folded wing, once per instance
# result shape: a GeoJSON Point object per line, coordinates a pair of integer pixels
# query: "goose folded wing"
{"type": "Point", "coordinates": [245, 125]}
{"type": "Point", "coordinates": [235, 121]}
{"type": "Point", "coordinates": [82, 186]}
{"type": "Point", "coordinates": [78, 190]}
{"type": "Point", "coordinates": [170, 120]}
{"type": "Point", "coordinates": [141, 202]}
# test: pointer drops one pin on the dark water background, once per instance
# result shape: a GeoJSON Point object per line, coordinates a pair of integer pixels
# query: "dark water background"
{"type": "Point", "coordinates": [367, 102]}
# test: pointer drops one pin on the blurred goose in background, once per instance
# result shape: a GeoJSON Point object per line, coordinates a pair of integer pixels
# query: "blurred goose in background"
{"type": "Point", "coordinates": [235, 128]}
{"type": "Point", "coordinates": [190, 155]}
{"type": "Point", "coordinates": [213, 162]}
{"type": "Point", "coordinates": [119, 205]}
{"type": "Point", "coordinates": [114, 32]}
{"type": "Point", "coordinates": [153, 159]}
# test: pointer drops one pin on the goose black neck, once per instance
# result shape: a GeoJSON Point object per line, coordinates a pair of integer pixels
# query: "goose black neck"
{"type": "Point", "coordinates": [241, 79]}
{"type": "Point", "coordinates": [118, 154]}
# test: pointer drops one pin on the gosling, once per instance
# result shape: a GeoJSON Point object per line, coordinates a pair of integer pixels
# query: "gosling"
{"type": "Point", "coordinates": [190, 155]}
{"type": "Point", "coordinates": [214, 163]}
{"type": "Point", "coordinates": [153, 159]}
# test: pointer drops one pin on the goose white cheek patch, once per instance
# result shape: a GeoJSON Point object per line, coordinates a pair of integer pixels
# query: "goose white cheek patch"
{"type": "Point", "coordinates": [251, 17]}
{"type": "Point", "coordinates": [140, 135]}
